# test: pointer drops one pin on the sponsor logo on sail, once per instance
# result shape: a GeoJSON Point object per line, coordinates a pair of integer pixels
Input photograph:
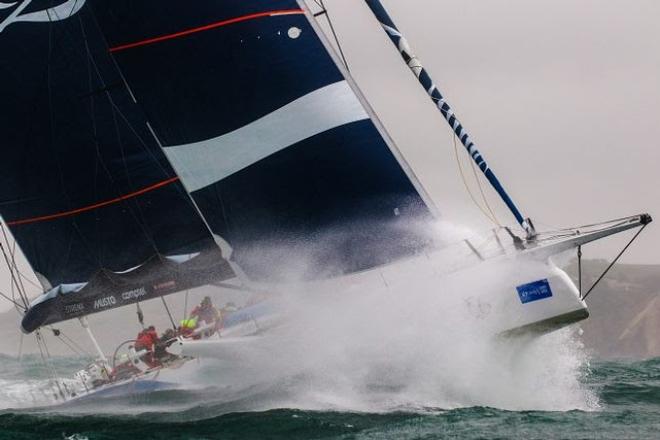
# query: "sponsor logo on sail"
{"type": "Point", "coordinates": [104, 302]}
{"type": "Point", "coordinates": [55, 13]}
{"type": "Point", "coordinates": [70, 309]}
{"type": "Point", "coordinates": [134, 294]}
{"type": "Point", "coordinates": [165, 285]}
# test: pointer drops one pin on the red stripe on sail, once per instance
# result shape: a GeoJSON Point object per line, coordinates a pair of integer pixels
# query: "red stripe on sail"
{"type": "Point", "coordinates": [206, 28]}
{"type": "Point", "coordinates": [95, 205]}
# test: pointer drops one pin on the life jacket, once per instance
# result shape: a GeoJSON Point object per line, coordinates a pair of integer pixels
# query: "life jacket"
{"type": "Point", "coordinates": [189, 324]}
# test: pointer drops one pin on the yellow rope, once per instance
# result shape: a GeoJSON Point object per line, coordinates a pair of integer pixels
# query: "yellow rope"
{"type": "Point", "coordinates": [483, 195]}
{"type": "Point", "coordinates": [490, 216]}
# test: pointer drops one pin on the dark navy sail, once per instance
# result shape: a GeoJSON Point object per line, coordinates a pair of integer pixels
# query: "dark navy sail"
{"type": "Point", "coordinates": [264, 130]}
{"type": "Point", "coordinates": [84, 186]}
{"type": "Point", "coordinates": [107, 290]}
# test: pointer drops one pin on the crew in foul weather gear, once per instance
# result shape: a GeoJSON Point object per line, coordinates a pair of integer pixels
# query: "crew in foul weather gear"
{"type": "Point", "coordinates": [205, 315]}
{"type": "Point", "coordinates": [206, 312]}
{"type": "Point", "coordinates": [160, 349]}
{"type": "Point", "coordinates": [146, 340]}
{"type": "Point", "coordinates": [187, 326]}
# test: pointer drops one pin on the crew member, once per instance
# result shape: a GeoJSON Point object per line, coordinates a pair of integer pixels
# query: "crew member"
{"type": "Point", "coordinates": [207, 316]}
{"type": "Point", "coordinates": [160, 348]}
{"type": "Point", "coordinates": [187, 326]}
{"type": "Point", "coordinates": [146, 340]}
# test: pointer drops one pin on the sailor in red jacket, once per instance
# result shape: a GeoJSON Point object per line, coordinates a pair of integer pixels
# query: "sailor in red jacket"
{"type": "Point", "coordinates": [146, 340]}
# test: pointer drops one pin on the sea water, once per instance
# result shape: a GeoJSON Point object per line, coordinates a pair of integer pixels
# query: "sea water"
{"type": "Point", "coordinates": [626, 406]}
{"type": "Point", "coordinates": [409, 361]}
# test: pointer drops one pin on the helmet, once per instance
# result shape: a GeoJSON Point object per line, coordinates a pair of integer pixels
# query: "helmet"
{"type": "Point", "coordinates": [206, 301]}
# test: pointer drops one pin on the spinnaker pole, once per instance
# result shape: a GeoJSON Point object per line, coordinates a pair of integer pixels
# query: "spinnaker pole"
{"type": "Point", "coordinates": [425, 80]}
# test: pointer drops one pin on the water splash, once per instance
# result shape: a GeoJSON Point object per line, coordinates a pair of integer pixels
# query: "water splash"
{"type": "Point", "coordinates": [410, 339]}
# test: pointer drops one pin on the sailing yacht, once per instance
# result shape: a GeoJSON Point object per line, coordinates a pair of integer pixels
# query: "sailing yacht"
{"type": "Point", "coordinates": [157, 146]}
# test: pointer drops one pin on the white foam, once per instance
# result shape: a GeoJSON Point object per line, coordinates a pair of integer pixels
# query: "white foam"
{"type": "Point", "coordinates": [416, 344]}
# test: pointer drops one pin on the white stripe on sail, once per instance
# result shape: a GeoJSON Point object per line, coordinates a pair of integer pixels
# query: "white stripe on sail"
{"type": "Point", "coordinates": [201, 164]}
{"type": "Point", "coordinates": [56, 13]}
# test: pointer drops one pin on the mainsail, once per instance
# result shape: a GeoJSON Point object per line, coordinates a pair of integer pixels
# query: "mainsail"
{"type": "Point", "coordinates": [166, 145]}
{"type": "Point", "coordinates": [84, 187]}
{"type": "Point", "coordinates": [268, 136]}
{"type": "Point", "coordinates": [152, 131]}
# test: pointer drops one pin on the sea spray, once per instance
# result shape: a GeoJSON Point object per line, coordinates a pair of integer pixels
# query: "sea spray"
{"type": "Point", "coordinates": [411, 336]}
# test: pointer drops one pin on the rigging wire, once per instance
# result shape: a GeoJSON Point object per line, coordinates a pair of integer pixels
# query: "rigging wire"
{"type": "Point", "coordinates": [13, 301]}
{"type": "Point", "coordinates": [57, 335]}
{"type": "Point", "coordinates": [13, 277]}
{"type": "Point", "coordinates": [139, 217]}
{"type": "Point", "coordinates": [324, 11]}
{"type": "Point", "coordinates": [614, 261]}
{"type": "Point", "coordinates": [29, 281]}
{"type": "Point", "coordinates": [146, 148]}
{"type": "Point", "coordinates": [168, 313]}
{"type": "Point", "coordinates": [12, 252]}
{"type": "Point", "coordinates": [44, 360]}
{"type": "Point", "coordinates": [92, 253]}
{"type": "Point", "coordinates": [73, 345]}
{"type": "Point", "coordinates": [21, 308]}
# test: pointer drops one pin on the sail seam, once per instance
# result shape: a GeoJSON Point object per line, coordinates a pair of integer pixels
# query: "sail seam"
{"type": "Point", "coordinates": [205, 28]}
{"type": "Point", "coordinates": [95, 205]}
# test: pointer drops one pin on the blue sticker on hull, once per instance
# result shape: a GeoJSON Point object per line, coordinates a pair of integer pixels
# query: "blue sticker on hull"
{"type": "Point", "coordinates": [534, 291]}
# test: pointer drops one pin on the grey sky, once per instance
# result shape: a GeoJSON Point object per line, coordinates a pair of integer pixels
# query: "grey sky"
{"type": "Point", "coordinates": [561, 97]}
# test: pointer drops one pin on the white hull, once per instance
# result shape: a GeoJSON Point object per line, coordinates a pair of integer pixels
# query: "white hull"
{"type": "Point", "coordinates": [486, 292]}
{"type": "Point", "coordinates": [501, 289]}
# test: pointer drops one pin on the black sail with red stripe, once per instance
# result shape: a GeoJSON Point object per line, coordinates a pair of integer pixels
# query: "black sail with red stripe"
{"type": "Point", "coordinates": [144, 129]}
{"type": "Point", "coordinates": [266, 133]}
{"type": "Point", "coordinates": [84, 187]}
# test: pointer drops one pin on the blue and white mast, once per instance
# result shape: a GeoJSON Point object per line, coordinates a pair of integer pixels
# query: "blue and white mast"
{"type": "Point", "coordinates": [425, 80]}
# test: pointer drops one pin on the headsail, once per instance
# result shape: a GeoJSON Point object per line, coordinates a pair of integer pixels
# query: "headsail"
{"type": "Point", "coordinates": [265, 131]}
{"type": "Point", "coordinates": [84, 187]}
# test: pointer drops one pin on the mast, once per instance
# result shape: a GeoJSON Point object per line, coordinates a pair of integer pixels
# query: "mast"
{"type": "Point", "coordinates": [425, 80]}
